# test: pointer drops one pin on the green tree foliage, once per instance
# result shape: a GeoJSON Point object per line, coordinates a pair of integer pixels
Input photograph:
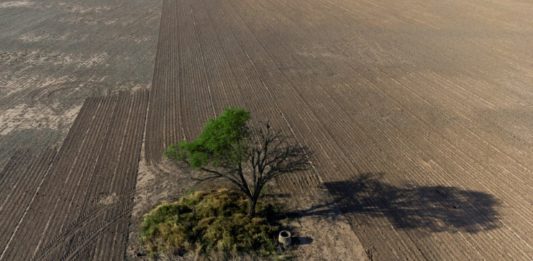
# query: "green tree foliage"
{"type": "Point", "coordinates": [221, 141]}
{"type": "Point", "coordinates": [248, 157]}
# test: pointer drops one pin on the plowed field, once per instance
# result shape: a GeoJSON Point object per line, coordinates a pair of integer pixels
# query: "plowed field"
{"type": "Point", "coordinates": [77, 206]}
{"type": "Point", "coordinates": [55, 53]}
{"type": "Point", "coordinates": [420, 112]}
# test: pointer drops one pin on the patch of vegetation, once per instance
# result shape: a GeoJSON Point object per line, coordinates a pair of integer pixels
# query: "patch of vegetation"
{"type": "Point", "coordinates": [210, 223]}
{"type": "Point", "coordinates": [248, 156]}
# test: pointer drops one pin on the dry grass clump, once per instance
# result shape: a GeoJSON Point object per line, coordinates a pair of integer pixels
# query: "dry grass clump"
{"type": "Point", "coordinates": [209, 223]}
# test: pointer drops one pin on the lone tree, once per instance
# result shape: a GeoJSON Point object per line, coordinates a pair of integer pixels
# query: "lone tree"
{"type": "Point", "coordinates": [247, 156]}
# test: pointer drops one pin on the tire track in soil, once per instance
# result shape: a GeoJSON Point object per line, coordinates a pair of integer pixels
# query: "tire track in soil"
{"type": "Point", "coordinates": [29, 231]}
{"type": "Point", "coordinates": [62, 173]}
{"type": "Point", "coordinates": [99, 158]}
{"type": "Point", "coordinates": [15, 207]}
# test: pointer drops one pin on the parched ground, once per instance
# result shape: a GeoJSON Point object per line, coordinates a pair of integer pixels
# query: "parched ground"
{"type": "Point", "coordinates": [66, 185]}
{"type": "Point", "coordinates": [76, 204]}
{"type": "Point", "coordinates": [54, 54]}
{"type": "Point", "coordinates": [420, 114]}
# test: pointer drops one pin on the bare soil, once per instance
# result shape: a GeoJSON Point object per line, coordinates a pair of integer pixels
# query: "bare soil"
{"type": "Point", "coordinates": [321, 238]}
{"type": "Point", "coordinates": [54, 54]}
{"type": "Point", "coordinates": [76, 205]}
{"type": "Point", "coordinates": [420, 114]}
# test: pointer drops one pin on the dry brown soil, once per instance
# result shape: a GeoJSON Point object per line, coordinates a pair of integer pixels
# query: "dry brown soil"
{"type": "Point", "coordinates": [77, 204]}
{"type": "Point", "coordinates": [420, 114]}
{"type": "Point", "coordinates": [55, 53]}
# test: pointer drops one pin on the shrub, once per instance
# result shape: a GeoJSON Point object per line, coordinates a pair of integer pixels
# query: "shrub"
{"type": "Point", "coordinates": [215, 222]}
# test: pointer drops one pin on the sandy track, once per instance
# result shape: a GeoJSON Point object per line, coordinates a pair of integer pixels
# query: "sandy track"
{"type": "Point", "coordinates": [419, 111]}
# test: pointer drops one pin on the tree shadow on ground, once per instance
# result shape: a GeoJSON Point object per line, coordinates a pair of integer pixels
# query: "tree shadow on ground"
{"type": "Point", "coordinates": [432, 208]}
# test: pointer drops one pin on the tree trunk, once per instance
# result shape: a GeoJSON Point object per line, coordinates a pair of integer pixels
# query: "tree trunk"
{"type": "Point", "coordinates": [251, 206]}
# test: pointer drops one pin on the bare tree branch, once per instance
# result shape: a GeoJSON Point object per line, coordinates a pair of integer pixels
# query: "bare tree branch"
{"type": "Point", "coordinates": [264, 154]}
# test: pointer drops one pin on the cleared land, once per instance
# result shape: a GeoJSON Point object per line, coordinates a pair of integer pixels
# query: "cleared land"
{"type": "Point", "coordinates": [420, 112]}
{"type": "Point", "coordinates": [77, 205]}
{"type": "Point", "coordinates": [54, 54]}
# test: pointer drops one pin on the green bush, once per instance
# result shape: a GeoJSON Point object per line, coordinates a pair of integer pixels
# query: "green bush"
{"type": "Point", "coordinates": [206, 223]}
